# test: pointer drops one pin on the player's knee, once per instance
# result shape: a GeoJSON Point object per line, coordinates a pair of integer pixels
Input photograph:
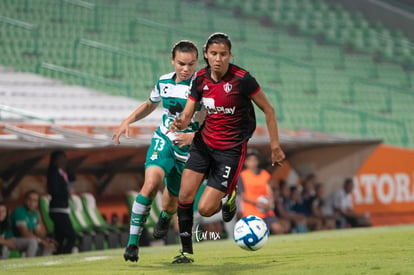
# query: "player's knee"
{"type": "Point", "coordinates": [150, 189]}
{"type": "Point", "coordinates": [185, 196]}
{"type": "Point", "coordinates": [206, 211]}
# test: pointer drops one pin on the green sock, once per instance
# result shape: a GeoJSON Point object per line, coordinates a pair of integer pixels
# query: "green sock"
{"type": "Point", "coordinates": [139, 214]}
{"type": "Point", "coordinates": [167, 215]}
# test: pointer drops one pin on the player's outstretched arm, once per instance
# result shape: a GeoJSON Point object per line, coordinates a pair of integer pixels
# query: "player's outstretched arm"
{"type": "Point", "coordinates": [142, 111]}
{"type": "Point", "coordinates": [261, 101]}
{"type": "Point", "coordinates": [185, 117]}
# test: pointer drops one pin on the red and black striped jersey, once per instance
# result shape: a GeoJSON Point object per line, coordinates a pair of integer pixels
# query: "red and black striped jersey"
{"type": "Point", "coordinates": [230, 118]}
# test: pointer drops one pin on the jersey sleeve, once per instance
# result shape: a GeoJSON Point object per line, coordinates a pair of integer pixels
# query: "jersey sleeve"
{"type": "Point", "coordinates": [155, 95]}
{"type": "Point", "coordinates": [249, 85]}
{"type": "Point", "coordinates": [195, 93]}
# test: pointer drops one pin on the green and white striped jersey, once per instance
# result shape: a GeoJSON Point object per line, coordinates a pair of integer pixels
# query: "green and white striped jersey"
{"type": "Point", "coordinates": [173, 97]}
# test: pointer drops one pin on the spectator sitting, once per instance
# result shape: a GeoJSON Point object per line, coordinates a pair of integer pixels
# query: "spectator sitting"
{"type": "Point", "coordinates": [302, 207]}
{"type": "Point", "coordinates": [8, 242]}
{"type": "Point", "coordinates": [289, 219]}
{"type": "Point", "coordinates": [317, 206]}
{"type": "Point", "coordinates": [5, 243]}
{"type": "Point", "coordinates": [342, 205]}
{"type": "Point", "coordinates": [308, 194]}
{"type": "Point", "coordinates": [256, 194]}
{"type": "Point", "coordinates": [25, 222]}
{"type": "Point", "coordinates": [296, 201]}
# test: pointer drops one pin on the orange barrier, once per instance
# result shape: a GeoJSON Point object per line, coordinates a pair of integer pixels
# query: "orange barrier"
{"type": "Point", "coordinates": [114, 206]}
{"type": "Point", "coordinates": [384, 186]}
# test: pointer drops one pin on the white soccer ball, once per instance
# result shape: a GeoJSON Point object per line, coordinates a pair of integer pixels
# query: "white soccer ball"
{"type": "Point", "coordinates": [251, 233]}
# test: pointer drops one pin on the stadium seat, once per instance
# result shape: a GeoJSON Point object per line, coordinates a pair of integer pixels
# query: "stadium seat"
{"type": "Point", "coordinates": [115, 237]}
{"type": "Point", "coordinates": [83, 240]}
{"type": "Point", "coordinates": [44, 212]}
{"type": "Point", "coordinates": [82, 225]}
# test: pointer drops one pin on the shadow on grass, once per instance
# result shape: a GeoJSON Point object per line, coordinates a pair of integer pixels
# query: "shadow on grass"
{"type": "Point", "coordinates": [242, 265]}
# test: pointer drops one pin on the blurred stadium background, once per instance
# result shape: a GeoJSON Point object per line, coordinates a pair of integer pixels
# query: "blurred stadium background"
{"type": "Point", "coordinates": [338, 73]}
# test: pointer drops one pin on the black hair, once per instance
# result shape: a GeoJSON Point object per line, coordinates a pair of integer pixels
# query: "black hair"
{"type": "Point", "coordinates": [28, 193]}
{"type": "Point", "coordinates": [54, 157]}
{"type": "Point", "coordinates": [185, 46]}
{"type": "Point", "coordinates": [348, 181]}
{"type": "Point", "coordinates": [293, 188]}
{"type": "Point", "coordinates": [252, 153]}
{"type": "Point", "coordinates": [216, 38]}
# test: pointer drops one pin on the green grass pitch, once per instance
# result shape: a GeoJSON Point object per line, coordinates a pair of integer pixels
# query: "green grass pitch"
{"type": "Point", "coordinates": [379, 250]}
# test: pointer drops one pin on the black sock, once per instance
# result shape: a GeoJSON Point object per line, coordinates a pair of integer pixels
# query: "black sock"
{"type": "Point", "coordinates": [185, 221]}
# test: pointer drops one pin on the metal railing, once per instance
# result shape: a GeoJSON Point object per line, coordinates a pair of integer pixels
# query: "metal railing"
{"type": "Point", "coordinates": [32, 28]}
{"type": "Point", "coordinates": [24, 113]}
{"type": "Point", "coordinates": [311, 70]}
{"type": "Point", "coordinates": [83, 77]}
{"type": "Point", "coordinates": [364, 119]}
{"type": "Point", "coordinates": [353, 81]}
{"type": "Point", "coordinates": [276, 100]}
{"type": "Point", "coordinates": [116, 54]}
{"type": "Point", "coordinates": [83, 5]}
{"type": "Point", "coordinates": [169, 30]}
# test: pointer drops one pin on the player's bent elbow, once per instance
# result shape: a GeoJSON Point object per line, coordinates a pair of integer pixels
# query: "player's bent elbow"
{"type": "Point", "coordinates": [270, 111]}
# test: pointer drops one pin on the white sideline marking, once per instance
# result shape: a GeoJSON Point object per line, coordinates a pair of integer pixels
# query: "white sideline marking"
{"type": "Point", "coordinates": [95, 258]}
{"type": "Point", "coordinates": [53, 262]}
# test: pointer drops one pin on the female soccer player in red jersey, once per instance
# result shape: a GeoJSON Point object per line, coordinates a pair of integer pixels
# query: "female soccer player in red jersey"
{"type": "Point", "coordinates": [219, 148]}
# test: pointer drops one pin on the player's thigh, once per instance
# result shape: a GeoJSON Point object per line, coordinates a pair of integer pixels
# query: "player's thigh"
{"type": "Point", "coordinates": [160, 153]}
{"type": "Point", "coordinates": [190, 183]}
{"type": "Point", "coordinates": [158, 163]}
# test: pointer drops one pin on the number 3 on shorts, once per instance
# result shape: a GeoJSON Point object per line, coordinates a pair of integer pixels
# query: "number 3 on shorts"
{"type": "Point", "coordinates": [227, 170]}
{"type": "Point", "coordinates": [159, 144]}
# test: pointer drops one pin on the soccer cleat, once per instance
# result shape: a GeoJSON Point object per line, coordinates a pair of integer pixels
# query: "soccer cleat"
{"type": "Point", "coordinates": [183, 258]}
{"type": "Point", "coordinates": [131, 253]}
{"type": "Point", "coordinates": [161, 229]}
{"type": "Point", "coordinates": [229, 208]}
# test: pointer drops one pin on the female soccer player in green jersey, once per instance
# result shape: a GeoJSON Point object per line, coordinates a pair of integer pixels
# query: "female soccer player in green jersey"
{"type": "Point", "coordinates": [167, 153]}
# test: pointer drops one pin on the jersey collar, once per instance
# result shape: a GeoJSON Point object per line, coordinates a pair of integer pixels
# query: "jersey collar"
{"type": "Point", "coordinates": [208, 70]}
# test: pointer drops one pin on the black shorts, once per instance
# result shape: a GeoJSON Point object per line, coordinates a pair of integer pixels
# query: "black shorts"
{"type": "Point", "coordinates": [221, 167]}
